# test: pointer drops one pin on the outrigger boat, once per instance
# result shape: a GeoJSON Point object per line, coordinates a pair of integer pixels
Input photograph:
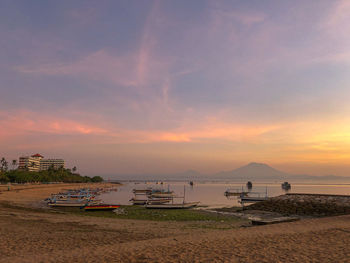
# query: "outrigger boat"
{"type": "Point", "coordinates": [72, 203]}
{"type": "Point", "coordinates": [163, 195]}
{"type": "Point", "coordinates": [172, 206]}
{"type": "Point", "coordinates": [137, 201]}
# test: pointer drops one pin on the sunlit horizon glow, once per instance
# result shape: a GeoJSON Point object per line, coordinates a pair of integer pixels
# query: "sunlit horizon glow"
{"type": "Point", "coordinates": [142, 87]}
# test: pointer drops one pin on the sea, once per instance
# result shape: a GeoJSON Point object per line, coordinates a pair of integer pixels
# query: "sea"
{"type": "Point", "coordinates": [211, 194]}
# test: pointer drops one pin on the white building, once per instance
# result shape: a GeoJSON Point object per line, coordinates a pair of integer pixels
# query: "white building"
{"type": "Point", "coordinates": [30, 163]}
{"type": "Point", "coordinates": [56, 164]}
{"type": "Point", "coordinates": [36, 163]}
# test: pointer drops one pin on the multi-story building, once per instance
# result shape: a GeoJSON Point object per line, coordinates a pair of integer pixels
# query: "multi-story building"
{"type": "Point", "coordinates": [30, 163]}
{"type": "Point", "coordinates": [37, 163]}
{"type": "Point", "coordinates": [46, 164]}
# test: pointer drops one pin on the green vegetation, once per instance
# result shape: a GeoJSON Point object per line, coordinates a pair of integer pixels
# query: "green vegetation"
{"type": "Point", "coordinates": [142, 213]}
{"type": "Point", "coordinates": [51, 175]}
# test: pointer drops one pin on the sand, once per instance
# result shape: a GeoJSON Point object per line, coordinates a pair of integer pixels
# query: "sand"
{"type": "Point", "coordinates": [28, 235]}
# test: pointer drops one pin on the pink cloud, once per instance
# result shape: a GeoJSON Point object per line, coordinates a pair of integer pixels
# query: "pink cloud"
{"type": "Point", "coordinates": [26, 122]}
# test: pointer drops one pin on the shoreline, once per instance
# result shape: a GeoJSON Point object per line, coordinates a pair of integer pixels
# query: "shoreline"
{"type": "Point", "coordinates": [39, 234]}
{"type": "Point", "coordinates": [31, 195]}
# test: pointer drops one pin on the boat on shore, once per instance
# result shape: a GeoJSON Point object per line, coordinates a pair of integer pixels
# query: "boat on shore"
{"type": "Point", "coordinates": [155, 201]}
{"type": "Point", "coordinates": [136, 201]}
{"type": "Point", "coordinates": [163, 195]}
{"type": "Point", "coordinates": [73, 203]}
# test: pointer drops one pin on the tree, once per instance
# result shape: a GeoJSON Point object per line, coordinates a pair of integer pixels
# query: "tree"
{"type": "Point", "coordinates": [3, 165]}
{"type": "Point", "coordinates": [14, 163]}
{"type": "Point", "coordinates": [74, 169]}
{"type": "Point", "coordinates": [51, 168]}
{"type": "Point", "coordinates": [97, 179]}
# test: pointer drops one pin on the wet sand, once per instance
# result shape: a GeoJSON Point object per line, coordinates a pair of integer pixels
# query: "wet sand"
{"type": "Point", "coordinates": [33, 235]}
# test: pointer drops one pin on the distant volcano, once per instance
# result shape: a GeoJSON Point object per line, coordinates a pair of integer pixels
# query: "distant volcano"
{"type": "Point", "coordinates": [254, 171]}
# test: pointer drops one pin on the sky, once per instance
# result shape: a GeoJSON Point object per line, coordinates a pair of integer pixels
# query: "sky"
{"type": "Point", "coordinates": [153, 87]}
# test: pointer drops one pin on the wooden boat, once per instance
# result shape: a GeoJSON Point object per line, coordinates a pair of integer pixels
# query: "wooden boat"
{"type": "Point", "coordinates": [163, 195]}
{"type": "Point", "coordinates": [66, 204]}
{"type": "Point", "coordinates": [142, 191]}
{"type": "Point", "coordinates": [158, 201]}
{"type": "Point", "coordinates": [100, 207]}
{"type": "Point", "coordinates": [136, 201]}
{"type": "Point", "coordinates": [72, 203]}
{"type": "Point", "coordinates": [172, 206]}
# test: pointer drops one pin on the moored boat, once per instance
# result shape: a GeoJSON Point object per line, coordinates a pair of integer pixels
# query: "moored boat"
{"type": "Point", "coordinates": [155, 201]}
{"type": "Point", "coordinates": [172, 206]}
{"type": "Point", "coordinates": [286, 186]}
{"type": "Point", "coordinates": [163, 195]}
{"type": "Point", "coordinates": [249, 185]}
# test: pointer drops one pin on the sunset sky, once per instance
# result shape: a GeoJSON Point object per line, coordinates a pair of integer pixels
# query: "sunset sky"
{"type": "Point", "coordinates": [133, 87]}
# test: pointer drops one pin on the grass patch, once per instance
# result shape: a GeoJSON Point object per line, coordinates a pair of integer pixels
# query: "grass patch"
{"type": "Point", "coordinates": [141, 213]}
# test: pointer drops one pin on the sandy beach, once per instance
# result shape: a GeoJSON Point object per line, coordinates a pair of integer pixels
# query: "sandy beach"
{"type": "Point", "coordinates": [34, 235]}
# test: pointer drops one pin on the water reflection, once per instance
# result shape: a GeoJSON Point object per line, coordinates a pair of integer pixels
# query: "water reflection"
{"type": "Point", "coordinates": [212, 193]}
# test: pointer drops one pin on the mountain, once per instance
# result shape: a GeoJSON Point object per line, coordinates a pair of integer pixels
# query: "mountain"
{"type": "Point", "coordinates": [264, 172]}
{"type": "Point", "coordinates": [250, 172]}
{"type": "Point", "coordinates": [254, 171]}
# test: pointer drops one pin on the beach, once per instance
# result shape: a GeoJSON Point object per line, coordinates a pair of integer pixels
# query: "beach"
{"type": "Point", "coordinates": [30, 234]}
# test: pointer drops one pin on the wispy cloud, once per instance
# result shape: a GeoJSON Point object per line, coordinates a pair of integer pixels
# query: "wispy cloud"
{"type": "Point", "coordinates": [100, 66]}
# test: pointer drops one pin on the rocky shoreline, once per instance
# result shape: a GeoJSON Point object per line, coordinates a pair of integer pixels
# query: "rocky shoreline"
{"type": "Point", "coordinates": [305, 205]}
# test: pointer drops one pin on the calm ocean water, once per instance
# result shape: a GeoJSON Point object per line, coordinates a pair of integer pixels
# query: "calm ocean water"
{"type": "Point", "coordinates": [212, 193]}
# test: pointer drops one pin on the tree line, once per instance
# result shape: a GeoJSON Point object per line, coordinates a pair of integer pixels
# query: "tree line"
{"type": "Point", "coordinates": [61, 174]}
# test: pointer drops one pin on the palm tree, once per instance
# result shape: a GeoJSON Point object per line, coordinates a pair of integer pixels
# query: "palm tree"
{"type": "Point", "coordinates": [4, 164]}
{"type": "Point", "coordinates": [74, 169]}
{"type": "Point", "coordinates": [14, 163]}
